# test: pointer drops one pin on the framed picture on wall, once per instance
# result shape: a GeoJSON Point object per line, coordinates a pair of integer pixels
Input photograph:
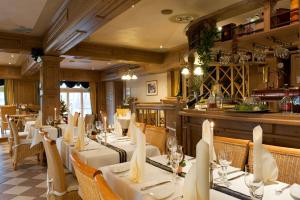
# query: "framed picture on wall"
{"type": "Point", "coordinates": [152, 88]}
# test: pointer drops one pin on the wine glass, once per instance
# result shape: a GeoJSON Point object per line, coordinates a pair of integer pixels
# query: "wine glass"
{"type": "Point", "coordinates": [225, 160]}
{"type": "Point", "coordinates": [89, 129]}
{"type": "Point", "coordinates": [176, 157]}
{"type": "Point", "coordinates": [49, 120]}
{"type": "Point", "coordinates": [255, 186]}
{"type": "Point", "coordinates": [99, 126]}
{"type": "Point", "coordinates": [171, 142]}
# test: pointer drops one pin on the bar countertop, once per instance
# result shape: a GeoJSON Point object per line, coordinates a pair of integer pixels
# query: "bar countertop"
{"type": "Point", "coordinates": [268, 118]}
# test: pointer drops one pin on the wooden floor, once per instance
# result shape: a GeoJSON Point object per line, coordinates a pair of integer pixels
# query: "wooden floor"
{"type": "Point", "coordinates": [27, 183]}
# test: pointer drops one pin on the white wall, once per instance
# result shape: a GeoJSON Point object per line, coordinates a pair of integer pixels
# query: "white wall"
{"type": "Point", "coordinates": [139, 87]}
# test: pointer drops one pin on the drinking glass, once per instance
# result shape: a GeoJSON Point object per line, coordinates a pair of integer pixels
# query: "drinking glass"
{"type": "Point", "coordinates": [89, 129]}
{"type": "Point", "coordinates": [99, 126]}
{"type": "Point", "coordinates": [171, 142]}
{"type": "Point", "coordinates": [256, 186]}
{"type": "Point", "coordinates": [225, 160]}
{"type": "Point", "coordinates": [176, 156]}
{"type": "Point", "coordinates": [49, 120]}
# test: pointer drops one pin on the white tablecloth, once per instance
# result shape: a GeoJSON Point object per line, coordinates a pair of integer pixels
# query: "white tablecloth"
{"type": "Point", "coordinates": [97, 155]}
{"type": "Point", "coordinates": [29, 125]}
{"type": "Point", "coordinates": [124, 121]}
{"type": "Point", "coordinates": [127, 190]}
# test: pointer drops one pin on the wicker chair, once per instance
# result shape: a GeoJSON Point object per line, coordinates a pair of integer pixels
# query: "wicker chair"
{"type": "Point", "coordinates": [287, 159]}
{"type": "Point", "coordinates": [6, 110]}
{"type": "Point", "coordinates": [76, 117]}
{"type": "Point", "coordinates": [91, 182]}
{"type": "Point", "coordinates": [21, 147]}
{"type": "Point", "coordinates": [156, 136]}
{"type": "Point", "coordinates": [89, 119]}
{"type": "Point", "coordinates": [238, 147]}
{"type": "Point", "coordinates": [60, 185]}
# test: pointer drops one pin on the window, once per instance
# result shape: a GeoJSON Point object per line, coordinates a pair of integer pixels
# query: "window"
{"type": "Point", "coordinates": [2, 97]}
{"type": "Point", "coordinates": [77, 99]}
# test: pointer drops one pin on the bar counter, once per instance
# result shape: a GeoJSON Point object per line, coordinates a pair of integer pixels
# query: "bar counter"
{"type": "Point", "coordinates": [279, 128]}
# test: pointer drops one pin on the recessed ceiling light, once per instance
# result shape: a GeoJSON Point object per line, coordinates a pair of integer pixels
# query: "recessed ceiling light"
{"type": "Point", "coordinates": [12, 55]}
{"type": "Point", "coordinates": [109, 63]}
{"type": "Point", "coordinates": [183, 18]}
{"type": "Point", "coordinates": [132, 6]}
{"type": "Point", "coordinates": [166, 11]}
{"type": "Point", "coordinates": [9, 63]}
{"type": "Point", "coordinates": [220, 28]}
{"type": "Point", "coordinates": [161, 46]}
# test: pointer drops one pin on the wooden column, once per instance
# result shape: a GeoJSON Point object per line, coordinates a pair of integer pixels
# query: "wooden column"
{"type": "Point", "coordinates": [268, 9]}
{"type": "Point", "coordinates": [49, 82]}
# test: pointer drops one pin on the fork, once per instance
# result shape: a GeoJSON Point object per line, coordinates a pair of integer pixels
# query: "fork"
{"type": "Point", "coordinates": [280, 190]}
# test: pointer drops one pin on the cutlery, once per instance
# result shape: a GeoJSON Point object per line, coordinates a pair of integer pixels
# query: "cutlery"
{"type": "Point", "coordinates": [233, 178]}
{"type": "Point", "coordinates": [154, 185]}
{"type": "Point", "coordinates": [88, 149]}
{"type": "Point", "coordinates": [232, 172]}
{"type": "Point", "coordinates": [280, 190]}
{"type": "Point", "coordinates": [178, 197]}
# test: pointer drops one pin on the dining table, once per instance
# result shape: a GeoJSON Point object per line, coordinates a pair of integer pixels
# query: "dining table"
{"type": "Point", "coordinates": [98, 153]}
{"type": "Point", "coordinates": [124, 121]}
{"type": "Point", "coordinates": [117, 177]}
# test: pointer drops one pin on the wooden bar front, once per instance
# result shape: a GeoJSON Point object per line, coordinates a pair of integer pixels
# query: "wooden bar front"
{"type": "Point", "coordinates": [279, 129]}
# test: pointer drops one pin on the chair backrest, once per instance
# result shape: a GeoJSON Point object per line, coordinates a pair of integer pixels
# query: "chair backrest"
{"type": "Point", "coordinates": [76, 117]}
{"type": "Point", "coordinates": [141, 126]}
{"type": "Point", "coordinates": [122, 111]}
{"type": "Point", "coordinates": [85, 176]}
{"type": "Point", "coordinates": [287, 159]}
{"type": "Point", "coordinates": [13, 130]}
{"type": "Point", "coordinates": [6, 110]}
{"type": "Point", "coordinates": [105, 191]}
{"type": "Point", "coordinates": [55, 165]}
{"type": "Point", "coordinates": [238, 147]}
{"type": "Point", "coordinates": [156, 136]}
{"type": "Point", "coordinates": [89, 119]}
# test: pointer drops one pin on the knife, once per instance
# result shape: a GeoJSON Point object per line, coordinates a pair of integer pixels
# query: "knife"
{"type": "Point", "coordinates": [233, 178]}
{"type": "Point", "coordinates": [234, 171]}
{"type": "Point", "coordinates": [151, 186]}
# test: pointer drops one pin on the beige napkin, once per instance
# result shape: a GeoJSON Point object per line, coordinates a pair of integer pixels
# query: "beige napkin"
{"type": "Point", "coordinates": [118, 128]}
{"type": "Point", "coordinates": [81, 131]}
{"type": "Point", "coordinates": [132, 128]}
{"type": "Point", "coordinates": [68, 135]}
{"type": "Point", "coordinates": [208, 137]}
{"type": "Point", "coordinates": [264, 165]}
{"type": "Point", "coordinates": [38, 122]}
{"type": "Point", "coordinates": [138, 160]}
{"type": "Point", "coordinates": [196, 182]}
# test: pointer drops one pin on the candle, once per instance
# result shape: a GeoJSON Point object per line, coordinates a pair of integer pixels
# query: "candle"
{"type": "Point", "coordinates": [54, 114]}
{"type": "Point", "coordinates": [104, 123]}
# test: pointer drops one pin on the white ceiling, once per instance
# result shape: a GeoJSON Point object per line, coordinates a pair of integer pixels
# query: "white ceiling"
{"type": "Point", "coordinates": [12, 59]}
{"type": "Point", "coordinates": [145, 27]}
{"type": "Point", "coordinates": [71, 63]}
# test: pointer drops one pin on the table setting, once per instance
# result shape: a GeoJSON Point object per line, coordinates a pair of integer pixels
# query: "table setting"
{"type": "Point", "coordinates": [201, 178]}
{"type": "Point", "coordinates": [106, 148]}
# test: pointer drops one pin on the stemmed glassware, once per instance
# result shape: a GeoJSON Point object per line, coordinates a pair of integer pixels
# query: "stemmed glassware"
{"type": "Point", "coordinates": [256, 186]}
{"type": "Point", "coordinates": [225, 160]}
{"type": "Point", "coordinates": [171, 142]}
{"type": "Point", "coordinates": [99, 127]}
{"type": "Point", "coordinates": [49, 120]}
{"type": "Point", "coordinates": [176, 156]}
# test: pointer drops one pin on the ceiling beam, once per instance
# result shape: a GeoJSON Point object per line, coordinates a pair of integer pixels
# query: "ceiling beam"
{"type": "Point", "coordinates": [29, 66]}
{"type": "Point", "coordinates": [93, 51]}
{"type": "Point", "coordinates": [18, 43]}
{"type": "Point", "coordinates": [77, 19]}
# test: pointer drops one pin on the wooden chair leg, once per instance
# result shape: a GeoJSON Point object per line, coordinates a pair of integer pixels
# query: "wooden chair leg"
{"type": "Point", "coordinates": [41, 155]}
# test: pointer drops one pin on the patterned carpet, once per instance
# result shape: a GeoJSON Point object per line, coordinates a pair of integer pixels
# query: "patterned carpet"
{"type": "Point", "coordinates": [26, 183]}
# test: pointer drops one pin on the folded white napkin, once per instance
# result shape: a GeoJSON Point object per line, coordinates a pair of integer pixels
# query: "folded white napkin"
{"type": "Point", "coordinates": [196, 182]}
{"type": "Point", "coordinates": [81, 131]}
{"type": "Point", "coordinates": [39, 120]}
{"type": "Point", "coordinates": [138, 160]}
{"type": "Point", "coordinates": [208, 137]}
{"type": "Point", "coordinates": [132, 128]}
{"type": "Point", "coordinates": [118, 128]}
{"type": "Point", "coordinates": [68, 135]}
{"type": "Point", "coordinates": [264, 165]}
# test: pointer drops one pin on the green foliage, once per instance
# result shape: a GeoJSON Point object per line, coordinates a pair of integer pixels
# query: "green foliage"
{"type": "Point", "coordinates": [63, 108]}
{"type": "Point", "coordinates": [251, 107]}
{"type": "Point", "coordinates": [197, 81]}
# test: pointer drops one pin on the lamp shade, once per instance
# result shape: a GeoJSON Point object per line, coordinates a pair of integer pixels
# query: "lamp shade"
{"type": "Point", "coordinates": [185, 71]}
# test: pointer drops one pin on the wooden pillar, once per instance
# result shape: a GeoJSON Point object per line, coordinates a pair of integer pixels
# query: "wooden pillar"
{"type": "Point", "coordinates": [268, 11]}
{"type": "Point", "coordinates": [49, 82]}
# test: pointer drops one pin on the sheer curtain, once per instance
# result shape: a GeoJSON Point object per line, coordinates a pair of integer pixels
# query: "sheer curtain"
{"type": "Point", "coordinates": [93, 96]}
{"type": "Point", "coordinates": [9, 92]}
